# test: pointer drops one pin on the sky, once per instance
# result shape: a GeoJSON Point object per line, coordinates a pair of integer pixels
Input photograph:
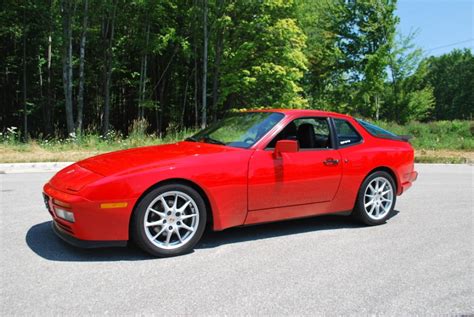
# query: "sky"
{"type": "Point", "coordinates": [441, 25]}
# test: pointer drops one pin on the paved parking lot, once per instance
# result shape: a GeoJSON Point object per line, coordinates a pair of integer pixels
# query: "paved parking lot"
{"type": "Point", "coordinates": [420, 262]}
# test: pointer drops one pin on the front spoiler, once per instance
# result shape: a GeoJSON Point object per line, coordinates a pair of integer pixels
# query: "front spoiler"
{"type": "Point", "coordinates": [85, 244]}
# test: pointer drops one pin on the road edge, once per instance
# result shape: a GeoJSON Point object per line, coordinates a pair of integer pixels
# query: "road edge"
{"type": "Point", "coordinates": [44, 167]}
{"type": "Point", "coordinates": [33, 167]}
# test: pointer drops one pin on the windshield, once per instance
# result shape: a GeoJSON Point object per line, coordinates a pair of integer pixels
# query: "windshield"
{"type": "Point", "coordinates": [239, 130]}
{"type": "Point", "coordinates": [376, 130]}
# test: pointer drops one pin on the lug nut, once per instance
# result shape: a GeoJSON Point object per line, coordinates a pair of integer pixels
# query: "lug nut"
{"type": "Point", "coordinates": [179, 223]}
{"type": "Point", "coordinates": [164, 220]}
{"type": "Point", "coordinates": [169, 213]}
{"type": "Point", "coordinates": [170, 228]}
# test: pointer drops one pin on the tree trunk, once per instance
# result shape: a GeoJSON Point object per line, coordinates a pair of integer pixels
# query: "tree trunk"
{"type": "Point", "coordinates": [25, 107]}
{"type": "Point", "coordinates": [196, 107]}
{"type": "Point", "coordinates": [143, 74]}
{"type": "Point", "coordinates": [377, 107]}
{"type": "Point", "coordinates": [66, 12]}
{"type": "Point", "coordinates": [108, 36]}
{"type": "Point", "coordinates": [183, 111]}
{"type": "Point", "coordinates": [204, 70]}
{"type": "Point", "coordinates": [196, 77]}
{"type": "Point", "coordinates": [40, 74]}
{"type": "Point", "coordinates": [140, 83]}
{"type": "Point", "coordinates": [82, 53]}
{"type": "Point", "coordinates": [159, 110]}
{"type": "Point", "coordinates": [47, 114]}
{"type": "Point", "coordinates": [215, 83]}
{"type": "Point", "coordinates": [217, 64]}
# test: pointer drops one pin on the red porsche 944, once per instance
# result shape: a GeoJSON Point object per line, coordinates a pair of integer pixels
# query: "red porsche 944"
{"type": "Point", "coordinates": [251, 167]}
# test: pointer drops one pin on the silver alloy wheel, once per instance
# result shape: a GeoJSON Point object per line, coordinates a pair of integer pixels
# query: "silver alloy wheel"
{"type": "Point", "coordinates": [378, 198]}
{"type": "Point", "coordinates": [171, 220]}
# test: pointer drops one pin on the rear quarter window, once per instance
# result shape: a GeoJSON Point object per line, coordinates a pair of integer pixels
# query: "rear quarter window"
{"type": "Point", "coordinates": [346, 134]}
{"type": "Point", "coordinates": [376, 130]}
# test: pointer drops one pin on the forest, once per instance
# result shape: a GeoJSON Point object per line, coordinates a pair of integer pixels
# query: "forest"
{"type": "Point", "coordinates": [75, 67]}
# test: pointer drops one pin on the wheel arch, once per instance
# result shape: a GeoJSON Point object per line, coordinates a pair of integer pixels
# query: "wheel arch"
{"type": "Point", "coordinates": [357, 209]}
{"type": "Point", "coordinates": [387, 170]}
{"type": "Point", "coordinates": [182, 181]}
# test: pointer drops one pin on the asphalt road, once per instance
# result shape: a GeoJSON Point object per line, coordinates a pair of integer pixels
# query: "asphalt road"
{"type": "Point", "coordinates": [420, 262]}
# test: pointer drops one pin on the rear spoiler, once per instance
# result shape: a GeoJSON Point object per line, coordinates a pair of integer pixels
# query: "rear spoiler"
{"type": "Point", "coordinates": [405, 138]}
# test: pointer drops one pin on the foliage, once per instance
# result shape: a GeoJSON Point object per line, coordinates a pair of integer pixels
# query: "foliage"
{"type": "Point", "coordinates": [452, 78]}
{"type": "Point", "coordinates": [436, 135]}
{"type": "Point", "coordinates": [264, 61]}
{"type": "Point", "coordinates": [407, 97]}
{"type": "Point", "coordinates": [143, 65]}
{"type": "Point", "coordinates": [350, 49]}
{"type": "Point", "coordinates": [434, 142]}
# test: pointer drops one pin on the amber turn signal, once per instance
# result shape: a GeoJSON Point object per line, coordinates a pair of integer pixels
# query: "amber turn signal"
{"type": "Point", "coordinates": [113, 205]}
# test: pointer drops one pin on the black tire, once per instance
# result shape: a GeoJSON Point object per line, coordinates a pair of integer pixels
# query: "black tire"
{"type": "Point", "coordinates": [363, 213]}
{"type": "Point", "coordinates": [142, 236]}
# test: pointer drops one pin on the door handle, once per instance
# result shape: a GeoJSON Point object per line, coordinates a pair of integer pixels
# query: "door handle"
{"type": "Point", "coordinates": [331, 162]}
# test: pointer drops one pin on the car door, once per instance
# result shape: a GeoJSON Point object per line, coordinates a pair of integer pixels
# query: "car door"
{"type": "Point", "coordinates": [311, 175]}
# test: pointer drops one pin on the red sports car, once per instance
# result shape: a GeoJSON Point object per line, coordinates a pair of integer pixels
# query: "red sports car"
{"type": "Point", "coordinates": [251, 167]}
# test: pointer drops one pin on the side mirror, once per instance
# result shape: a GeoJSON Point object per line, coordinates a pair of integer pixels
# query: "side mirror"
{"type": "Point", "coordinates": [285, 146]}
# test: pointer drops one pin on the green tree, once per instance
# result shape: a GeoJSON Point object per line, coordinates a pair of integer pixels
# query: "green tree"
{"type": "Point", "coordinates": [324, 80]}
{"type": "Point", "coordinates": [407, 97]}
{"type": "Point", "coordinates": [107, 64]}
{"type": "Point", "coordinates": [452, 78]}
{"type": "Point", "coordinates": [263, 62]}
{"type": "Point", "coordinates": [349, 51]}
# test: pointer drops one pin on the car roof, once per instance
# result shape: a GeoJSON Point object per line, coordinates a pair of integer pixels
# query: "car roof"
{"type": "Point", "coordinates": [303, 112]}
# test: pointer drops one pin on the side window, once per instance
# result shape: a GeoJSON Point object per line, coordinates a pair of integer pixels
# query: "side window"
{"type": "Point", "coordinates": [311, 133]}
{"type": "Point", "coordinates": [346, 134]}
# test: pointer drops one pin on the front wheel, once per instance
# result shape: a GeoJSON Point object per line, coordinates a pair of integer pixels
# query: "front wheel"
{"type": "Point", "coordinates": [376, 199]}
{"type": "Point", "coordinates": [169, 220]}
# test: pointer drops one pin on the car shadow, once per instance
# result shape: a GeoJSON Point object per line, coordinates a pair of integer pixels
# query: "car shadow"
{"type": "Point", "coordinates": [214, 239]}
{"type": "Point", "coordinates": [42, 240]}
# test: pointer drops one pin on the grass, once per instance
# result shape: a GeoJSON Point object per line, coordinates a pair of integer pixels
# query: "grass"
{"type": "Point", "coordinates": [74, 149]}
{"type": "Point", "coordinates": [437, 135]}
{"type": "Point", "coordinates": [444, 156]}
{"type": "Point", "coordinates": [434, 142]}
{"type": "Point", "coordinates": [438, 141]}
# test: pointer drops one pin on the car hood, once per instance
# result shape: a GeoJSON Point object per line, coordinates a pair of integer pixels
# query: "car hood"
{"type": "Point", "coordinates": [149, 157]}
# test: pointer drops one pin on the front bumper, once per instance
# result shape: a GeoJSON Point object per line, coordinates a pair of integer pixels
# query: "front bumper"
{"type": "Point", "coordinates": [85, 244]}
{"type": "Point", "coordinates": [93, 224]}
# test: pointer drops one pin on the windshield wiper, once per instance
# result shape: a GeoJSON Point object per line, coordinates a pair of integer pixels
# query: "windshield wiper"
{"type": "Point", "coordinates": [191, 139]}
{"type": "Point", "coordinates": [208, 139]}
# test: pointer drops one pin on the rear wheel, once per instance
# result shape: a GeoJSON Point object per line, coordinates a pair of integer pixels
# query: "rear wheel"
{"type": "Point", "coordinates": [169, 220]}
{"type": "Point", "coordinates": [376, 199]}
